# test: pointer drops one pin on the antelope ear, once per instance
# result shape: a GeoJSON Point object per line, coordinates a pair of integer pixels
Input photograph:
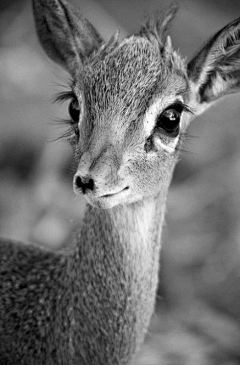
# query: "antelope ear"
{"type": "Point", "coordinates": [215, 70]}
{"type": "Point", "coordinates": [65, 35]}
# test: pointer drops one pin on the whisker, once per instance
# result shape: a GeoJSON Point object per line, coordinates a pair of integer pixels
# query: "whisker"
{"type": "Point", "coordinates": [185, 139]}
{"type": "Point", "coordinates": [61, 122]}
{"type": "Point", "coordinates": [67, 135]}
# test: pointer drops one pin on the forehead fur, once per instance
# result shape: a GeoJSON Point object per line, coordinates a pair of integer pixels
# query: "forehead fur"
{"type": "Point", "coordinates": [126, 74]}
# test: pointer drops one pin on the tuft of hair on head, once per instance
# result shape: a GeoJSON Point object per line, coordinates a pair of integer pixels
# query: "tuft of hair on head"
{"type": "Point", "coordinates": [156, 28]}
{"type": "Point", "coordinates": [104, 50]}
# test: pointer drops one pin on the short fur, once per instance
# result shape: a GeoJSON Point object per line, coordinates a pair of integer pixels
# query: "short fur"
{"type": "Point", "coordinates": [92, 304]}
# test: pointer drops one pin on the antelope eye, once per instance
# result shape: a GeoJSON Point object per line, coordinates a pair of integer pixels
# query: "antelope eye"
{"type": "Point", "coordinates": [169, 120]}
{"type": "Point", "coordinates": [74, 110]}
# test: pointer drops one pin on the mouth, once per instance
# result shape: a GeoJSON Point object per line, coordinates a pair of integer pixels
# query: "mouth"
{"type": "Point", "coordinates": [114, 194]}
{"type": "Point", "coordinates": [110, 200]}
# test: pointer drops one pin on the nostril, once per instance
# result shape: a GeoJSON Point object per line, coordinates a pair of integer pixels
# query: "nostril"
{"type": "Point", "coordinates": [84, 183]}
{"type": "Point", "coordinates": [90, 184]}
{"type": "Point", "coordinates": [78, 182]}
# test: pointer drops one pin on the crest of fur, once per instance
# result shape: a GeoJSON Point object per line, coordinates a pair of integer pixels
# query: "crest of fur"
{"type": "Point", "coordinates": [155, 31]}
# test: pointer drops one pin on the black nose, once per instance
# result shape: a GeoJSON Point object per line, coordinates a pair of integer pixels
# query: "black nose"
{"type": "Point", "coordinates": [84, 183]}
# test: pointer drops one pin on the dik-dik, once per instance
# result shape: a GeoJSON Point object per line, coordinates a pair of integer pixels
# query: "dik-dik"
{"type": "Point", "coordinates": [130, 103]}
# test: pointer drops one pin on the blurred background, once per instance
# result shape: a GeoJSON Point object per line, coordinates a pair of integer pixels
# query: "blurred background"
{"type": "Point", "coordinates": [197, 318]}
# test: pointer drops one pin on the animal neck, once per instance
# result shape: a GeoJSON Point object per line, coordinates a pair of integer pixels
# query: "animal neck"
{"type": "Point", "coordinates": [116, 262]}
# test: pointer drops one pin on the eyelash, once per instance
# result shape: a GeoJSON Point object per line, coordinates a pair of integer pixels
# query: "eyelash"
{"type": "Point", "coordinates": [180, 105]}
{"type": "Point", "coordinates": [61, 98]}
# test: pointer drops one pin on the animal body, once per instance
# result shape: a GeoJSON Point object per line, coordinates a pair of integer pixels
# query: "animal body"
{"type": "Point", "coordinates": [130, 103]}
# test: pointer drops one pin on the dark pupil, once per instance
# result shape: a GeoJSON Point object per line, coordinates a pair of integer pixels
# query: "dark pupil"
{"type": "Point", "coordinates": [169, 121]}
{"type": "Point", "coordinates": [74, 110]}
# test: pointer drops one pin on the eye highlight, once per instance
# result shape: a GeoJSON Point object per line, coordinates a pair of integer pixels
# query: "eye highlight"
{"type": "Point", "coordinates": [169, 120]}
